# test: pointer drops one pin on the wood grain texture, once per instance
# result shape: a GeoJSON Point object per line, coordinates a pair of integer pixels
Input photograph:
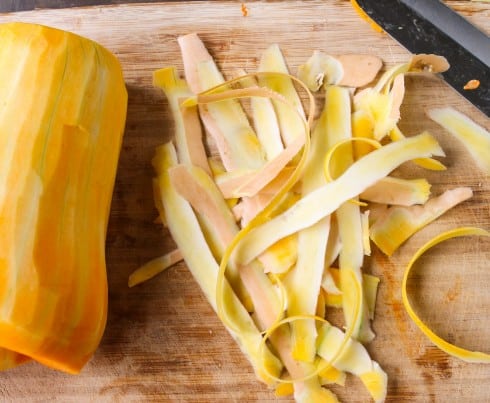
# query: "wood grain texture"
{"type": "Point", "coordinates": [163, 342]}
{"type": "Point", "coordinates": [23, 5]}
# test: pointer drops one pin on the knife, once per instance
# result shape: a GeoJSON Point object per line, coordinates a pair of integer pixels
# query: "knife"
{"type": "Point", "coordinates": [429, 26]}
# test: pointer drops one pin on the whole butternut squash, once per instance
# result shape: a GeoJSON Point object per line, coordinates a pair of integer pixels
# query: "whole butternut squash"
{"type": "Point", "coordinates": [63, 107]}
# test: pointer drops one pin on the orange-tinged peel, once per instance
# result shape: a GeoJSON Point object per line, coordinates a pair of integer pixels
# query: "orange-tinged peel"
{"type": "Point", "coordinates": [366, 17]}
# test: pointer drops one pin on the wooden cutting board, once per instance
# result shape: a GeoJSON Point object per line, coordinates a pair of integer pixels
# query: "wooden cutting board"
{"type": "Point", "coordinates": [163, 342]}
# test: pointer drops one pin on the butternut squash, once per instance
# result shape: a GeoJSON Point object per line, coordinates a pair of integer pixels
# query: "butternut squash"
{"type": "Point", "coordinates": [62, 119]}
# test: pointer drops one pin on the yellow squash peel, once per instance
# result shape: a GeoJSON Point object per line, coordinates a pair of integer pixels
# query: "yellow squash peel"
{"type": "Point", "coordinates": [277, 213]}
{"type": "Point", "coordinates": [451, 349]}
{"type": "Point", "coordinates": [475, 138]}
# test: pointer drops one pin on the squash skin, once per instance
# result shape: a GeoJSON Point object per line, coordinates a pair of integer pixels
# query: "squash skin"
{"type": "Point", "coordinates": [62, 119]}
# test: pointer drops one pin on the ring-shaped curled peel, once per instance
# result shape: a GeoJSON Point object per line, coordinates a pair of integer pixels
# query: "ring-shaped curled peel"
{"type": "Point", "coordinates": [451, 349]}
{"type": "Point", "coordinates": [327, 364]}
{"type": "Point", "coordinates": [222, 92]}
{"type": "Point", "coordinates": [331, 152]}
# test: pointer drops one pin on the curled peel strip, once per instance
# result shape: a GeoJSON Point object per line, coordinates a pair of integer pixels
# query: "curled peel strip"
{"type": "Point", "coordinates": [451, 349]}
{"type": "Point", "coordinates": [328, 157]}
{"type": "Point", "coordinates": [222, 92]}
{"type": "Point", "coordinates": [340, 351]}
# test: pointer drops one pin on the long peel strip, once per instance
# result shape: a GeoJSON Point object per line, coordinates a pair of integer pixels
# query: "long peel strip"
{"type": "Point", "coordinates": [188, 134]}
{"type": "Point", "coordinates": [154, 267]}
{"type": "Point", "coordinates": [216, 94]}
{"type": "Point", "coordinates": [185, 230]}
{"type": "Point", "coordinates": [338, 130]}
{"type": "Point", "coordinates": [272, 61]}
{"type": "Point", "coordinates": [475, 138]}
{"type": "Point", "coordinates": [451, 349]}
{"type": "Point", "coordinates": [303, 281]}
{"type": "Point", "coordinates": [327, 199]}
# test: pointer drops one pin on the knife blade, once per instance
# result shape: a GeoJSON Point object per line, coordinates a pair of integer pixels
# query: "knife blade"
{"type": "Point", "coordinates": [430, 26]}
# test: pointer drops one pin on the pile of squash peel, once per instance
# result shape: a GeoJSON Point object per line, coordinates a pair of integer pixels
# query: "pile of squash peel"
{"type": "Point", "coordinates": [274, 207]}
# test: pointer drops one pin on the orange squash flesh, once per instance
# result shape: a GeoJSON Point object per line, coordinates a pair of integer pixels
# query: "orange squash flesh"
{"type": "Point", "coordinates": [61, 125]}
